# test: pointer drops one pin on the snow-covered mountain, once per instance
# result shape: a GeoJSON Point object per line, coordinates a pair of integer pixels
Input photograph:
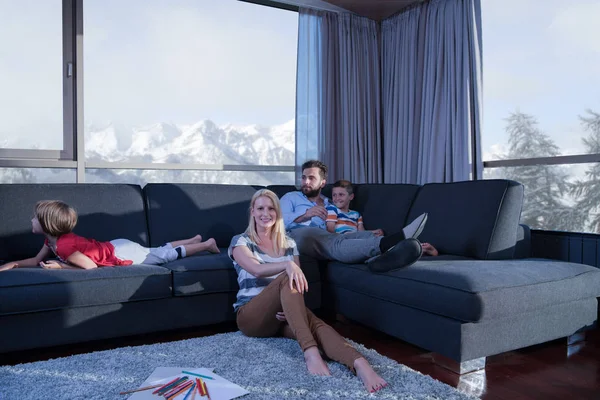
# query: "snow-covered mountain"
{"type": "Point", "coordinates": [201, 143]}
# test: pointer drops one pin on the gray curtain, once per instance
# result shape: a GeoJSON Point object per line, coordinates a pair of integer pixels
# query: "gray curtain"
{"type": "Point", "coordinates": [431, 75]}
{"type": "Point", "coordinates": [338, 109]}
{"type": "Point", "coordinates": [310, 126]}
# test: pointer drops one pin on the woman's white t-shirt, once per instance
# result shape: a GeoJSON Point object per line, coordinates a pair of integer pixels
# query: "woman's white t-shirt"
{"type": "Point", "coordinates": [250, 285]}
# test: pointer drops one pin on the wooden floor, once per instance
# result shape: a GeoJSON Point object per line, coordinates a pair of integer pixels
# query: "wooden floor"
{"type": "Point", "coordinates": [549, 371]}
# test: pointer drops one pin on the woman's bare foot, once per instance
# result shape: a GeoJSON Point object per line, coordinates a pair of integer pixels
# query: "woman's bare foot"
{"type": "Point", "coordinates": [315, 363]}
{"type": "Point", "coordinates": [368, 376]}
{"type": "Point", "coordinates": [212, 246]}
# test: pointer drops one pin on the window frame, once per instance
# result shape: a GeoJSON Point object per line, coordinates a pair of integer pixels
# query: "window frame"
{"type": "Point", "coordinates": [73, 154]}
{"type": "Point", "coordinates": [67, 152]}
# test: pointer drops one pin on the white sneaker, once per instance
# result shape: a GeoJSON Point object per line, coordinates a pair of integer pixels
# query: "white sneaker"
{"type": "Point", "coordinates": [414, 229]}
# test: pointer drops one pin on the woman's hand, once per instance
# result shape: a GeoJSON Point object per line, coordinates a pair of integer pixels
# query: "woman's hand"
{"type": "Point", "coordinates": [297, 277]}
{"type": "Point", "coordinates": [280, 316]}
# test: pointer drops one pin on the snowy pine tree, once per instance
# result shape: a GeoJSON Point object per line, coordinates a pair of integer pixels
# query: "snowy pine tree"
{"type": "Point", "coordinates": [545, 185]}
{"type": "Point", "coordinates": [16, 175]}
{"type": "Point", "coordinates": [587, 192]}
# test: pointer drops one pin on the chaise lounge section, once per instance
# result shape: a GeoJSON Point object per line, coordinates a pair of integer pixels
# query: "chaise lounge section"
{"type": "Point", "coordinates": [481, 296]}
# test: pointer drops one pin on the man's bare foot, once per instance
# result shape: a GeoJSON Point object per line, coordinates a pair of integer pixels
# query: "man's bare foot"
{"type": "Point", "coordinates": [315, 363]}
{"type": "Point", "coordinates": [212, 246]}
{"type": "Point", "coordinates": [368, 376]}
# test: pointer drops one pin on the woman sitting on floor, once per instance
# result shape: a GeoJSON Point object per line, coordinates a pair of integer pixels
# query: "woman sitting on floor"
{"type": "Point", "coordinates": [270, 301]}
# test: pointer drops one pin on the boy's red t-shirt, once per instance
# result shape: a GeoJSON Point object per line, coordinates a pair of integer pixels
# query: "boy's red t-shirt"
{"type": "Point", "coordinates": [102, 253]}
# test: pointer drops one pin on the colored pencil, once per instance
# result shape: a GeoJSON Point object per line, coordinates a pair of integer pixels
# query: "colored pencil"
{"type": "Point", "coordinates": [206, 389]}
{"type": "Point", "coordinates": [165, 385]}
{"type": "Point", "coordinates": [176, 388]}
{"type": "Point", "coordinates": [173, 389]}
{"type": "Point", "coordinates": [190, 391]}
{"type": "Point", "coordinates": [181, 389]}
{"type": "Point", "coordinates": [200, 387]}
{"type": "Point", "coordinates": [171, 385]}
{"type": "Point", "coordinates": [140, 389]}
{"type": "Point", "coordinates": [200, 375]}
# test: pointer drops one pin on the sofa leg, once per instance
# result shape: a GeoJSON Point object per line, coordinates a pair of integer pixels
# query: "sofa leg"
{"type": "Point", "coordinates": [575, 338]}
{"type": "Point", "coordinates": [575, 343]}
{"type": "Point", "coordinates": [459, 367]}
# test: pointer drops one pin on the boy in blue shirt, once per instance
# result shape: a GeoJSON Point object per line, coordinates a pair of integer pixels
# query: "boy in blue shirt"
{"type": "Point", "coordinates": [340, 219]}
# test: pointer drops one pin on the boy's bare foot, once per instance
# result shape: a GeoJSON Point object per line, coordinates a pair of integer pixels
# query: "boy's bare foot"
{"type": "Point", "coordinates": [212, 246]}
{"type": "Point", "coordinates": [315, 363]}
{"type": "Point", "coordinates": [429, 250]}
{"type": "Point", "coordinates": [368, 376]}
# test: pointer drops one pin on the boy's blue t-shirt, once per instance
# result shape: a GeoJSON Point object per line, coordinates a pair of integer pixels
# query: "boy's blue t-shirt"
{"type": "Point", "coordinates": [345, 222]}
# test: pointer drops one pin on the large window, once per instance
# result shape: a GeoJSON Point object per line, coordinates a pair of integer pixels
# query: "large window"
{"type": "Point", "coordinates": [142, 177]}
{"type": "Point", "coordinates": [31, 86]}
{"type": "Point", "coordinates": [541, 121]}
{"type": "Point", "coordinates": [189, 82]}
{"type": "Point", "coordinates": [133, 91]}
{"type": "Point", "coordinates": [37, 175]}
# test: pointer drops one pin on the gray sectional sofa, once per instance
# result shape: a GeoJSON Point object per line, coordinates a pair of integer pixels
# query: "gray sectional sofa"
{"type": "Point", "coordinates": [482, 296]}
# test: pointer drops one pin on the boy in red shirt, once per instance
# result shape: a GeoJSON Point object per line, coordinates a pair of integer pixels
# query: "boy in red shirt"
{"type": "Point", "coordinates": [56, 220]}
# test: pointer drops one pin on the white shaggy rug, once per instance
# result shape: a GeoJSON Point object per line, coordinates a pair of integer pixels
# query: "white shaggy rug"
{"type": "Point", "coordinates": [269, 368]}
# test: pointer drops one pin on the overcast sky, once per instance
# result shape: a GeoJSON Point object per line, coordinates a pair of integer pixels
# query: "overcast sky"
{"type": "Point", "coordinates": [181, 61]}
{"type": "Point", "coordinates": [148, 61]}
{"type": "Point", "coordinates": [541, 57]}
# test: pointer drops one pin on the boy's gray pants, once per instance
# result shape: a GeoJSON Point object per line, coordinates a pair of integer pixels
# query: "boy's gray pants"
{"type": "Point", "coordinates": [356, 247]}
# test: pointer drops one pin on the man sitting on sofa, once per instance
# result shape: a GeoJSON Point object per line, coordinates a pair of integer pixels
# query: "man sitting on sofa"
{"type": "Point", "coordinates": [304, 215]}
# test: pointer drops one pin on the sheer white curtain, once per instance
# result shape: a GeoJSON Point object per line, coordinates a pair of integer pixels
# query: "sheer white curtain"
{"type": "Point", "coordinates": [338, 95]}
{"type": "Point", "coordinates": [431, 67]}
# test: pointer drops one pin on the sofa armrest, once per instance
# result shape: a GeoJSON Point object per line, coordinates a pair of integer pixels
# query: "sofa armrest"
{"type": "Point", "coordinates": [523, 246]}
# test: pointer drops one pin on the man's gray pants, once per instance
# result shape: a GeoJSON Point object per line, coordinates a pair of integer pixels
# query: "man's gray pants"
{"type": "Point", "coordinates": [356, 247]}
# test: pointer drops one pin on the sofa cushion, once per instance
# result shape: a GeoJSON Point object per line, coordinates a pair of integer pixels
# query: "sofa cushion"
{"type": "Point", "coordinates": [179, 211]}
{"type": "Point", "coordinates": [214, 273]}
{"type": "Point", "coordinates": [106, 212]}
{"type": "Point", "coordinates": [25, 290]}
{"type": "Point", "coordinates": [384, 206]}
{"type": "Point", "coordinates": [473, 290]}
{"type": "Point", "coordinates": [476, 219]}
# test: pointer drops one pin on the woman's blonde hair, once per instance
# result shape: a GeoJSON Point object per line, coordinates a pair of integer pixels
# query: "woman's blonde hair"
{"type": "Point", "coordinates": [55, 217]}
{"type": "Point", "coordinates": [278, 231]}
